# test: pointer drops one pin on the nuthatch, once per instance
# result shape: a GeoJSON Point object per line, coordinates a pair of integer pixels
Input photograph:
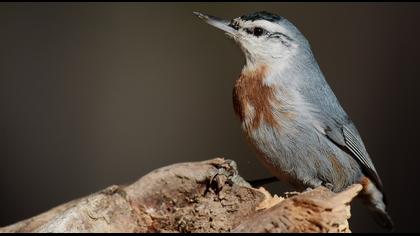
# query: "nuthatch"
{"type": "Point", "coordinates": [290, 114]}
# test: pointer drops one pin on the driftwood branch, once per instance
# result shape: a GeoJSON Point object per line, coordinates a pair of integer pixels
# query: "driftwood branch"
{"type": "Point", "coordinates": [206, 196]}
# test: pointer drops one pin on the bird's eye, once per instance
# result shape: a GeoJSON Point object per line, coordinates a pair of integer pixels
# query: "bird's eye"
{"type": "Point", "coordinates": [258, 31]}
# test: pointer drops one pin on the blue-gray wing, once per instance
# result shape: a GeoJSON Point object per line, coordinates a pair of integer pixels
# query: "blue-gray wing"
{"type": "Point", "coordinates": [347, 138]}
{"type": "Point", "coordinates": [337, 126]}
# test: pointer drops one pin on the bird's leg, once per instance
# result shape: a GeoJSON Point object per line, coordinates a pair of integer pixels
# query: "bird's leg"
{"type": "Point", "coordinates": [261, 182]}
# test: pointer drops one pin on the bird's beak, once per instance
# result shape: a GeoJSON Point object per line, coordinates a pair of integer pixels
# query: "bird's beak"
{"type": "Point", "coordinates": [217, 22]}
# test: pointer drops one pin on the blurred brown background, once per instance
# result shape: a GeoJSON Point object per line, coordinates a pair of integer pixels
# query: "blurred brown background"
{"type": "Point", "coordinates": [94, 94]}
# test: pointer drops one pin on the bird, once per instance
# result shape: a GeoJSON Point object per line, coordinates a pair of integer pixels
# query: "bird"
{"type": "Point", "coordinates": [291, 116]}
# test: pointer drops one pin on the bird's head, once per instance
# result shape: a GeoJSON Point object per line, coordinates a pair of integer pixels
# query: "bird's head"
{"type": "Point", "coordinates": [265, 38]}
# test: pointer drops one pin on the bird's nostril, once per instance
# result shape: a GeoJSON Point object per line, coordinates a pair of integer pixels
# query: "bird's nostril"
{"type": "Point", "coordinates": [234, 24]}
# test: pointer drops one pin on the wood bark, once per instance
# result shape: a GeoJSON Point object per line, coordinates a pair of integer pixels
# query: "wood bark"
{"type": "Point", "coordinates": [207, 196]}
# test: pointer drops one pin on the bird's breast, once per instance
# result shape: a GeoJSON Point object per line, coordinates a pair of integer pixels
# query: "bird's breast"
{"type": "Point", "coordinates": [254, 100]}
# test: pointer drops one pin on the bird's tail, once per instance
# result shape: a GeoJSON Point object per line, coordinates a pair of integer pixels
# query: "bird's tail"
{"type": "Point", "coordinates": [376, 202]}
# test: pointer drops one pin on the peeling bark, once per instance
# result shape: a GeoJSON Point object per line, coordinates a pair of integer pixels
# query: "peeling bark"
{"type": "Point", "coordinates": [206, 196]}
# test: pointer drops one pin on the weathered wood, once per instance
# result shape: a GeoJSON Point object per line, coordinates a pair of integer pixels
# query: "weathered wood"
{"type": "Point", "coordinates": [206, 196]}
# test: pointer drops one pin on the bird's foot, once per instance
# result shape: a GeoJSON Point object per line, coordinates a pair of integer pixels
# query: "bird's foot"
{"type": "Point", "coordinates": [291, 194]}
{"type": "Point", "coordinates": [329, 186]}
{"type": "Point", "coordinates": [308, 189]}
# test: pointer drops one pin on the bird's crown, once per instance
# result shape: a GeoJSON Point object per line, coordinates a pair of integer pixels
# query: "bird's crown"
{"type": "Point", "coordinates": [262, 15]}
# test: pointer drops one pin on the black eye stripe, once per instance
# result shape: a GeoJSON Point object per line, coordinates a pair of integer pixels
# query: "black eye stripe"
{"type": "Point", "coordinates": [280, 35]}
{"type": "Point", "coordinates": [256, 31]}
{"type": "Point", "coordinates": [275, 35]}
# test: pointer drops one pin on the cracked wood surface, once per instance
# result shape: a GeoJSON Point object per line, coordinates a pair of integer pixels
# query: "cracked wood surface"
{"type": "Point", "coordinates": [206, 196]}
